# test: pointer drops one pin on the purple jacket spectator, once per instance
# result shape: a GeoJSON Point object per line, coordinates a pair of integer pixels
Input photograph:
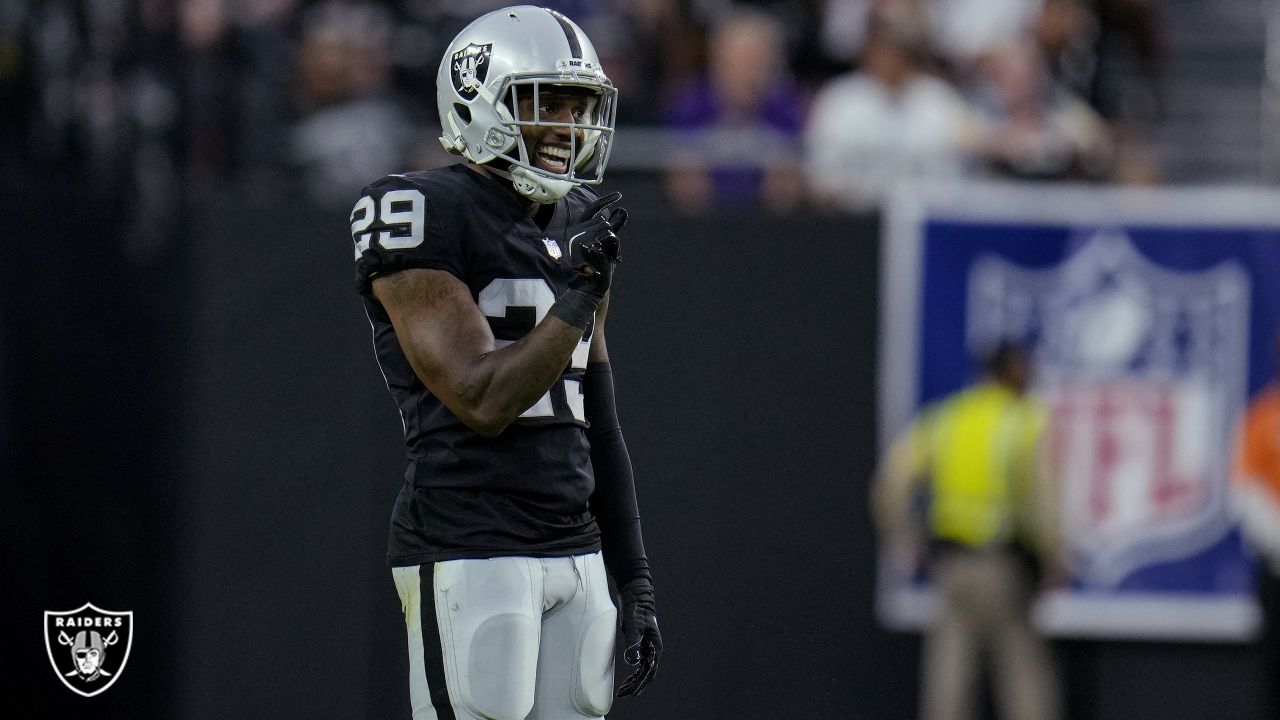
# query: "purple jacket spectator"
{"type": "Point", "coordinates": [739, 125]}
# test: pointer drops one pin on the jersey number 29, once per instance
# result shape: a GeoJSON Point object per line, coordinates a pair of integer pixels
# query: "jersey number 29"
{"type": "Point", "coordinates": [402, 211]}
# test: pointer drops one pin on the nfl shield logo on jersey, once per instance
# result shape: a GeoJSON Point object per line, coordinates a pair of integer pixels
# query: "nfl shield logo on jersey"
{"type": "Point", "coordinates": [553, 247]}
{"type": "Point", "coordinates": [1144, 369]}
{"type": "Point", "coordinates": [471, 68]}
{"type": "Point", "coordinates": [88, 647]}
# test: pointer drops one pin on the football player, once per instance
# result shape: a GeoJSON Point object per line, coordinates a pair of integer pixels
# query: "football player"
{"type": "Point", "coordinates": [487, 286]}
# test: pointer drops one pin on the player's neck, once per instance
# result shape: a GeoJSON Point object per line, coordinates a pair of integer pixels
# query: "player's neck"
{"type": "Point", "coordinates": [531, 208]}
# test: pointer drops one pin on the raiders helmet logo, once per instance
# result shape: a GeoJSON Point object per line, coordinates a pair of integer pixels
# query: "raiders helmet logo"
{"type": "Point", "coordinates": [471, 68]}
{"type": "Point", "coordinates": [88, 647]}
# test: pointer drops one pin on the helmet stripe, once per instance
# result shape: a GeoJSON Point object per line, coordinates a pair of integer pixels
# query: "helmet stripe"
{"type": "Point", "coordinates": [575, 46]}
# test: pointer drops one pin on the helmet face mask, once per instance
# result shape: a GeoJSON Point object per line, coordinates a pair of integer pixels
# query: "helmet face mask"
{"type": "Point", "coordinates": [491, 89]}
{"type": "Point", "coordinates": [589, 136]}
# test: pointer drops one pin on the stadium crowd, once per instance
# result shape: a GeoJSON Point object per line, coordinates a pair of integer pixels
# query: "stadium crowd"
{"type": "Point", "coordinates": [776, 103]}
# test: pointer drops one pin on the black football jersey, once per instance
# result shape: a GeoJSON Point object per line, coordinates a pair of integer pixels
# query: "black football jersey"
{"type": "Point", "coordinates": [525, 491]}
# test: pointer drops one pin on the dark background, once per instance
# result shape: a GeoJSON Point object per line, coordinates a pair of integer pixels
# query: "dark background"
{"type": "Point", "coordinates": [206, 441]}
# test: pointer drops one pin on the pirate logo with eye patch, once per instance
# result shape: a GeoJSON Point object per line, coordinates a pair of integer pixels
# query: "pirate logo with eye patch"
{"type": "Point", "coordinates": [470, 69]}
{"type": "Point", "coordinates": [88, 647]}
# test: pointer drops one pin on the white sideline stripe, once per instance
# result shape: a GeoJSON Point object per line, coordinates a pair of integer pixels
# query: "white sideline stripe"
{"type": "Point", "coordinates": [1216, 206]}
{"type": "Point", "coordinates": [900, 279]}
{"type": "Point", "coordinates": [1157, 616]}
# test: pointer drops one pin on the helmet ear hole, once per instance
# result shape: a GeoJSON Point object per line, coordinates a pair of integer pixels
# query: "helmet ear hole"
{"type": "Point", "coordinates": [504, 113]}
{"type": "Point", "coordinates": [464, 113]}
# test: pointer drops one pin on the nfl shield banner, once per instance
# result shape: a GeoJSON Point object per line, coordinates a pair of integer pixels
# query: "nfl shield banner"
{"type": "Point", "coordinates": [88, 647]}
{"type": "Point", "coordinates": [1152, 317]}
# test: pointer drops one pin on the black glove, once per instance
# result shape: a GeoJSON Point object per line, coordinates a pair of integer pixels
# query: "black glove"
{"type": "Point", "coordinates": [640, 636]}
{"type": "Point", "coordinates": [593, 245]}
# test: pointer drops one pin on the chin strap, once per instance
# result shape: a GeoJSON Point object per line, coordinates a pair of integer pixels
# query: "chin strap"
{"type": "Point", "coordinates": [535, 186]}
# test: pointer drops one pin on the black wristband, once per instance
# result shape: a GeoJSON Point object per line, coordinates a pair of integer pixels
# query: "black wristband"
{"type": "Point", "coordinates": [576, 308]}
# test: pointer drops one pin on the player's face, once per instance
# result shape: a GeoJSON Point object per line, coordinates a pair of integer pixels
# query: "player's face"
{"type": "Point", "coordinates": [550, 147]}
{"type": "Point", "coordinates": [87, 661]}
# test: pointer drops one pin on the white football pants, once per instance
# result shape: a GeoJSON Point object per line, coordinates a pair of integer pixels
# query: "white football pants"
{"type": "Point", "coordinates": [511, 638]}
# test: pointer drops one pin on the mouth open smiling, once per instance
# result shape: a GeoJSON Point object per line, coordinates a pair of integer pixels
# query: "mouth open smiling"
{"type": "Point", "coordinates": [552, 158]}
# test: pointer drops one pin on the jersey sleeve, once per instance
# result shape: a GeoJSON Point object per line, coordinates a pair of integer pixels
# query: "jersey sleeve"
{"type": "Point", "coordinates": [400, 223]}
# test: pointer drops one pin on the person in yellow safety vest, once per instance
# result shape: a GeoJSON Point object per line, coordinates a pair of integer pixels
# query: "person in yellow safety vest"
{"type": "Point", "coordinates": [1256, 498]}
{"type": "Point", "coordinates": [993, 535]}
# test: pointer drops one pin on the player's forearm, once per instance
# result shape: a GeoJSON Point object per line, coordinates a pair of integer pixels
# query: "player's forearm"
{"type": "Point", "coordinates": [503, 383]}
{"type": "Point", "coordinates": [450, 346]}
{"type": "Point", "coordinates": [507, 381]}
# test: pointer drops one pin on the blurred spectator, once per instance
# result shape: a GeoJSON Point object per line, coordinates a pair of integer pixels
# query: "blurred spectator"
{"type": "Point", "coordinates": [844, 28]}
{"type": "Point", "coordinates": [1127, 84]}
{"type": "Point", "coordinates": [17, 91]}
{"type": "Point", "coordinates": [266, 32]}
{"type": "Point", "coordinates": [650, 49]}
{"type": "Point", "coordinates": [887, 123]}
{"type": "Point", "coordinates": [1130, 54]}
{"type": "Point", "coordinates": [1067, 34]}
{"type": "Point", "coordinates": [353, 127]}
{"type": "Point", "coordinates": [212, 83]}
{"type": "Point", "coordinates": [738, 127]}
{"type": "Point", "coordinates": [846, 25]}
{"type": "Point", "coordinates": [1256, 497]}
{"type": "Point", "coordinates": [80, 122]}
{"type": "Point", "coordinates": [1034, 128]}
{"type": "Point", "coordinates": [1083, 56]}
{"type": "Point", "coordinates": [813, 58]}
{"type": "Point", "coordinates": [992, 536]}
{"type": "Point", "coordinates": [966, 30]}
{"type": "Point", "coordinates": [94, 114]}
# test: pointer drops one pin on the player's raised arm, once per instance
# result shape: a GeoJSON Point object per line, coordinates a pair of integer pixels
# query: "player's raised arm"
{"type": "Point", "coordinates": [447, 339]}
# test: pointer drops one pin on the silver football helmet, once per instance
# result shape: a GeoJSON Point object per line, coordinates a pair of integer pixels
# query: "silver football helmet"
{"type": "Point", "coordinates": [510, 55]}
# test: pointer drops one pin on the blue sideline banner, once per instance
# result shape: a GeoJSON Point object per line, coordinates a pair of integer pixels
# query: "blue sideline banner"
{"type": "Point", "coordinates": [1152, 316]}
